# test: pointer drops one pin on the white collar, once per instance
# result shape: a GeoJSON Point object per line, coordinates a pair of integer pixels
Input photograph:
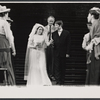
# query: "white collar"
{"type": "Point", "coordinates": [51, 25]}
{"type": "Point", "coordinates": [60, 30]}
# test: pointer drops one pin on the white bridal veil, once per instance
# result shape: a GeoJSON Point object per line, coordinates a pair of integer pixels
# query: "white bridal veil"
{"type": "Point", "coordinates": [31, 35]}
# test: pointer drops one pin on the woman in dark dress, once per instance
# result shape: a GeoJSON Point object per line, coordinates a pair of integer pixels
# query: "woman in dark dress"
{"type": "Point", "coordinates": [94, 47]}
{"type": "Point", "coordinates": [6, 42]}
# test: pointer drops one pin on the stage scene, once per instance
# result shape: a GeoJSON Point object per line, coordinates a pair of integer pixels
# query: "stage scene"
{"type": "Point", "coordinates": [49, 44]}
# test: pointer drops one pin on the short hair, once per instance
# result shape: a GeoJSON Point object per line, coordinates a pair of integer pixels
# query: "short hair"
{"type": "Point", "coordinates": [94, 13]}
{"type": "Point", "coordinates": [60, 22]}
{"type": "Point", "coordinates": [51, 17]}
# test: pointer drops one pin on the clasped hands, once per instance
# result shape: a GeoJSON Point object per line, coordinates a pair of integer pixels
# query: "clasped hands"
{"type": "Point", "coordinates": [36, 45]}
{"type": "Point", "coordinates": [51, 41]}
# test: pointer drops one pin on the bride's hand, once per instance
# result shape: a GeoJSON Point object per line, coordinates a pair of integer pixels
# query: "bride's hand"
{"type": "Point", "coordinates": [38, 45]}
{"type": "Point", "coordinates": [33, 45]}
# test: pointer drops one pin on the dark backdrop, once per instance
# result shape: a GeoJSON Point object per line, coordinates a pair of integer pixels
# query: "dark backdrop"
{"type": "Point", "coordinates": [25, 15]}
{"type": "Point", "coordinates": [74, 16]}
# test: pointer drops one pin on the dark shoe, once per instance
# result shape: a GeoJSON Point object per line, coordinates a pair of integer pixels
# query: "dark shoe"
{"type": "Point", "coordinates": [57, 83]}
{"type": "Point", "coordinates": [62, 83]}
{"type": "Point", "coordinates": [52, 78]}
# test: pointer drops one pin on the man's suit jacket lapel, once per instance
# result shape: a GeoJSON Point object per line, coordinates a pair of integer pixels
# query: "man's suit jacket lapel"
{"type": "Point", "coordinates": [59, 38]}
{"type": "Point", "coordinates": [61, 35]}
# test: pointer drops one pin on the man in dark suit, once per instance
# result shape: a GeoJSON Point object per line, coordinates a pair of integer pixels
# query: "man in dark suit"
{"type": "Point", "coordinates": [61, 39]}
{"type": "Point", "coordinates": [49, 51]}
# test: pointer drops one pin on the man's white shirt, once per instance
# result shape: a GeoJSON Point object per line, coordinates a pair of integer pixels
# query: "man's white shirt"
{"type": "Point", "coordinates": [60, 31]}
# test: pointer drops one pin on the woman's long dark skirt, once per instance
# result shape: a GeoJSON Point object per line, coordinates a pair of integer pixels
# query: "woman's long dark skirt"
{"type": "Point", "coordinates": [93, 71]}
{"type": "Point", "coordinates": [5, 59]}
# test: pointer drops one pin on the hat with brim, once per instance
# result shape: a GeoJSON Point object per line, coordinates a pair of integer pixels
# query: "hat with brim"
{"type": "Point", "coordinates": [4, 9]}
{"type": "Point", "coordinates": [96, 9]}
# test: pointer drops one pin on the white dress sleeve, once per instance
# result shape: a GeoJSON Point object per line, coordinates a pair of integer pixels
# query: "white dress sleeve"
{"type": "Point", "coordinates": [30, 43]}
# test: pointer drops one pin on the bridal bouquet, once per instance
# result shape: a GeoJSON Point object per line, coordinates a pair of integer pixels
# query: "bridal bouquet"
{"type": "Point", "coordinates": [37, 42]}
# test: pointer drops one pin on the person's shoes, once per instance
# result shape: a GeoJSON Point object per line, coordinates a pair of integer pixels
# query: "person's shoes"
{"type": "Point", "coordinates": [62, 83]}
{"type": "Point", "coordinates": [52, 78]}
{"type": "Point", "coordinates": [57, 83]}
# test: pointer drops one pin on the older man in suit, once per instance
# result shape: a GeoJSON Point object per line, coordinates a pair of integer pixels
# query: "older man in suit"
{"type": "Point", "coordinates": [61, 39]}
{"type": "Point", "coordinates": [49, 51]}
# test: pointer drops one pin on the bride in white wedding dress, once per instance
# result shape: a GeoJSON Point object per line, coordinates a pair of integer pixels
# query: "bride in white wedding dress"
{"type": "Point", "coordinates": [35, 62]}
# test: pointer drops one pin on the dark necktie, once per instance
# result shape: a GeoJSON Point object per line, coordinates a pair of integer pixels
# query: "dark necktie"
{"type": "Point", "coordinates": [49, 32]}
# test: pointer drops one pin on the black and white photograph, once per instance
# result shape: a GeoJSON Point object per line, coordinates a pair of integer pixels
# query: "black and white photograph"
{"type": "Point", "coordinates": [49, 49]}
{"type": "Point", "coordinates": [49, 44]}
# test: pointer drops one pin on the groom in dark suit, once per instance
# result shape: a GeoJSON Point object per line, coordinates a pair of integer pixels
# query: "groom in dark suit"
{"type": "Point", "coordinates": [61, 39]}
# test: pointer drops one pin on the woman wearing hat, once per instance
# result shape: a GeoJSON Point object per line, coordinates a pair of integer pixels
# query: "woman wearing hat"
{"type": "Point", "coordinates": [6, 42]}
{"type": "Point", "coordinates": [94, 46]}
{"type": "Point", "coordinates": [35, 62]}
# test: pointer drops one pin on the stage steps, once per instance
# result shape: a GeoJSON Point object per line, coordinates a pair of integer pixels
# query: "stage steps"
{"type": "Point", "coordinates": [75, 66]}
